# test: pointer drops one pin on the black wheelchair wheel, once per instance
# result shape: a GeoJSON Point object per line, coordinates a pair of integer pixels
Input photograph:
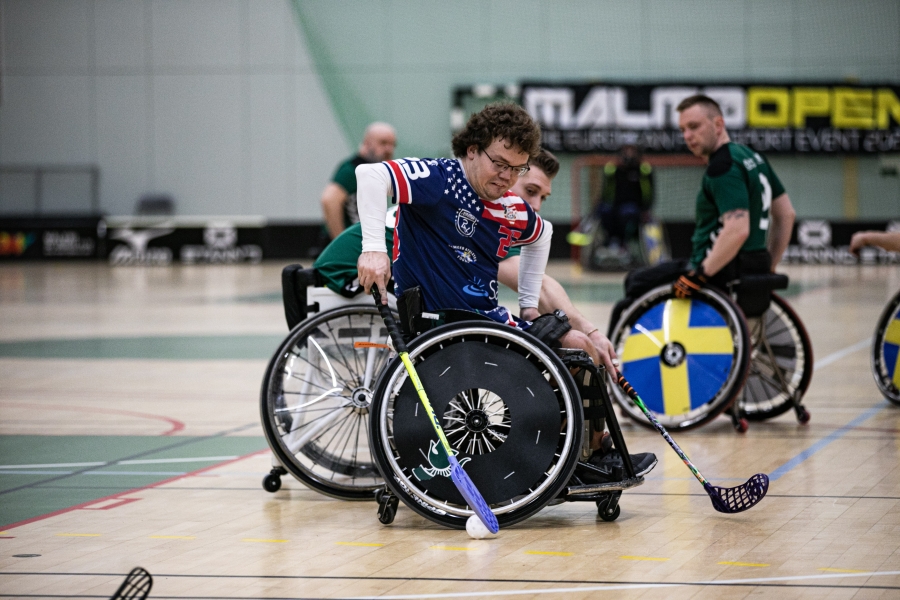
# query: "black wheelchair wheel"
{"type": "Point", "coordinates": [509, 408]}
{"type": "Point", "coordinates": [315, 400]}
{"type": "Point", "coordinates": [885, 351]}
{"type": "Point", "coordinates": [687, 359]}
{"type": "Point", "coordinates": [781, 363]}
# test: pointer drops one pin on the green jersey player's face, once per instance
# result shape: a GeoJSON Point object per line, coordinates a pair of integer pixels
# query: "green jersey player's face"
{"type": "Point", "coordinates": [492, 171]}
{"type": "Point", "coordinates": [701, 129]}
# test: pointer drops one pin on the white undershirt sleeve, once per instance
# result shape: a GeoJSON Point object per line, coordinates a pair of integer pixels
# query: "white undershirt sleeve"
{"type": "Point", "coordinates": [532, 264]}
{"type": "Point", "coordinates": [373, 183]}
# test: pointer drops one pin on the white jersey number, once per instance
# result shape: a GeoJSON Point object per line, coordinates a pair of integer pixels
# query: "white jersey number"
{"type": "Point", "coordinates": [766, 202]}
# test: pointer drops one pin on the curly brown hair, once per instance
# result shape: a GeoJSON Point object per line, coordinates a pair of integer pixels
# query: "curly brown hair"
{"type": "Point", "coordinates": [500, 121]}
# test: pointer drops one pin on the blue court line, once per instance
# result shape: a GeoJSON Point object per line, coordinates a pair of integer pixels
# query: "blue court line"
{"type": "Point", "coordinates": [834, 435]}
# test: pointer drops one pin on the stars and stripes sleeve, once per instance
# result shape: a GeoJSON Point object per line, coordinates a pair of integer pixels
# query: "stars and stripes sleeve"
{"type": "Point", "coordinates": [416, 181]}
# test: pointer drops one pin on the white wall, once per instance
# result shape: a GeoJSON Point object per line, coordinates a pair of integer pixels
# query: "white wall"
{"type": "Point", "coordinates": [213, 101]}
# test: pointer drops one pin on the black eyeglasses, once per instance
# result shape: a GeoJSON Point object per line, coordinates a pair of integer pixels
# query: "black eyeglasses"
{"type": "Point", "coordinates": [501, 167]}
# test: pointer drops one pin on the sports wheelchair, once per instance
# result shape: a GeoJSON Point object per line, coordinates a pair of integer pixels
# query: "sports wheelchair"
{"type": "Point", "coordinates": [886, 351]}
{"type": "Point", "coordinates": [341, 415]}
{"type": "Point", "coordinates": [317, 388]}
{"type": "Point", "coordinates": [741, 349]}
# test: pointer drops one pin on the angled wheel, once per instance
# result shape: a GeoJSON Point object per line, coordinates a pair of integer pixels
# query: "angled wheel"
{"type": "Point", "coordinates": [686, 358]}
{"type": "Point", "coordinates": [315, 400]}
{"type": "Point", "coordinates": [781, 363]}
{"type": "Point", "coordinates": [886, 351]}
{"type": "Point", "coordinates": [507, 405]}
{"type": "Point", "coordinates": [653, 242]}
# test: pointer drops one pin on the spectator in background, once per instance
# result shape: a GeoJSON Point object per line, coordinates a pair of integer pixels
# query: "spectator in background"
{"type": "Point", "coordinates": [339, 196]}
{"type": "Point", "coordinates": [627, 197]}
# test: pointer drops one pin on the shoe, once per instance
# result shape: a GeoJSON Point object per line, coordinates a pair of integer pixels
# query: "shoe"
{"type": "Point", "coordinates": [609, 467]}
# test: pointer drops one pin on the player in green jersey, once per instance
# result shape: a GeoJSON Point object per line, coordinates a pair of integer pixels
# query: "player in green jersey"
{"type": "Point", "coordinates": [744, 217]}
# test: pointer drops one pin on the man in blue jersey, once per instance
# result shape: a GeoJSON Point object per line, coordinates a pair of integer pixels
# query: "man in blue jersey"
{"type": "Point", "coordinates": [457, 220]}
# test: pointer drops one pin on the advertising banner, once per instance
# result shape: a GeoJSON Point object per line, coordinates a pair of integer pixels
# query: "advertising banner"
{"type": "Point", "coordinates": [820, 118]}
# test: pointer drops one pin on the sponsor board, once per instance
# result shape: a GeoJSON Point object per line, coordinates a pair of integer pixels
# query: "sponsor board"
{"type": "Point", "coordinates": [820, 118]}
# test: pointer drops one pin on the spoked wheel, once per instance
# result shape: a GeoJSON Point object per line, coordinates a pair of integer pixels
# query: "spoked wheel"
{"type": "Point", "coordinates": [886, 351]}
{"type": "Point", "coordinates": [686, 358]}
{"type": "Point", "coordinates": [508, 407]}
{"type": "Point", "coordinates": [316, 396]}
{"type": "Point", "coordinates": [781, 363]}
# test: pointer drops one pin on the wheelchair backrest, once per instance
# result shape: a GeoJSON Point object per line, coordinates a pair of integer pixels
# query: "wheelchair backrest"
{"type": "Point", "coordinates": [415, 320]}
{"type": "Point", "coordinates": [754, 292]}
{"type": "Point", "coordinates": [294, 281]}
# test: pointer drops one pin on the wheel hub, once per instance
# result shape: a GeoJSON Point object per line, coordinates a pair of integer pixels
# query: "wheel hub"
{"type": "Point", "coordinates": [477, 421]}
{"type": "Point", "coordinates": [673, 354]}
{"type": "Point", "coordinates": [360, 398]}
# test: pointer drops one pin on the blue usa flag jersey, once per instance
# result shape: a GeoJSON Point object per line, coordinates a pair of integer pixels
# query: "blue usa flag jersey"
{"type": "Point", "coordinates": [448, 240]}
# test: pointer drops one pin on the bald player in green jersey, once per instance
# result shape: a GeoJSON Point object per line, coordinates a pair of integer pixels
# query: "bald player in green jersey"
{"type": "Point", "coordinates": [744, 217]}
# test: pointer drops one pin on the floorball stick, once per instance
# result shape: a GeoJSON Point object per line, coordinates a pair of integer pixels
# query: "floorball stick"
{"type": "Point", "coordinates": [725, 500]}
{"type": "Point", "coordinates": [460, 478]}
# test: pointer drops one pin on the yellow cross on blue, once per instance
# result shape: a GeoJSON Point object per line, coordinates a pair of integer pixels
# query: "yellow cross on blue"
{"type": "Point", "coordinates": [678, 355]}
{"type": "Point", "coordinates": [890, 349]}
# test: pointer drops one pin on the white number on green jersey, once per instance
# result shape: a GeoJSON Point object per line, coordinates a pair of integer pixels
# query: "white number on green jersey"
{"type": "Point", "coordinates": [766, 202]}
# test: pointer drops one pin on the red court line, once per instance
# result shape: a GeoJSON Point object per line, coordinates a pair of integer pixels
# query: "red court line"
{"type": "Point", "coordinates": [175, 424]}
{"type": "Point", "coordinates": [63, 511]}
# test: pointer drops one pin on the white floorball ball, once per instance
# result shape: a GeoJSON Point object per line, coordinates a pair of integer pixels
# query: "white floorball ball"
{"type": "Point", "coordinates": [476, 529]}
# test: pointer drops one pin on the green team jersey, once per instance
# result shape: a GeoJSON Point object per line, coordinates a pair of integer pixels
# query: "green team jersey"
{"type": "Point", "coordinates": [736, 178]}
{"type": "Point", "coordinates": [337, 263]}
{"type": "Point", "coordinates": [345, 176]}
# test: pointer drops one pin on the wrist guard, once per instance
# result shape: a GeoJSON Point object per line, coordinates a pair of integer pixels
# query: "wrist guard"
{"type": "Point", "coordinates": [550, 328]}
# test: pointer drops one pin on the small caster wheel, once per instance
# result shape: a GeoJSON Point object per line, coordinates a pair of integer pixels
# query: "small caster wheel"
{"type": "Point", "coordinates": [607, 515]}
{"type": "Point", "coordinates": [802, 415]}
{"type": "Point", "coordinates": [741, 425]}
{"type": "Point", "coordinates": [378, 495]}
{"type": "Point", "coordinates": [272, 482]}
{"type": "Point", "coordinates": [387, 508]}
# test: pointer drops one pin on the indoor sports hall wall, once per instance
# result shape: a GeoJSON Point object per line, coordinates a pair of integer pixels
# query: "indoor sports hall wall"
{"type": "Point", "coordinates": [245, 107]}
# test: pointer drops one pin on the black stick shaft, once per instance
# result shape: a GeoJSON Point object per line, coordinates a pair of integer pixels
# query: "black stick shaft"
{"type": "Point", "coordinates": [389, 322]}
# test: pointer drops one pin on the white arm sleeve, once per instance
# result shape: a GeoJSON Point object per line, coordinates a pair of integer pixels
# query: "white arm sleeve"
{"type": "Point", "coordinates": [373, 183]}
{"type": "Point", "coordinates": [532, 264]}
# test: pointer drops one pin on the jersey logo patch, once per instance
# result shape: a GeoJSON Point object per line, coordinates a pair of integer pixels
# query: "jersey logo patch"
{"type": "Point", "coordinates": [510, 213]}
{"type": "Point", "coordinates": [464, 254]}
{"type": "Point", "coordinates": [465, 222]}
{"type": "Point", "coordinates": [475, 288]}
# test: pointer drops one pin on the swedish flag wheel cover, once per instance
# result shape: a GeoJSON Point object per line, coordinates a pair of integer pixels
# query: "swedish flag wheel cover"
{"type": "Point", "coordinates": [889, 376]}
{"type": "Point", "coordinates": [679, 353]}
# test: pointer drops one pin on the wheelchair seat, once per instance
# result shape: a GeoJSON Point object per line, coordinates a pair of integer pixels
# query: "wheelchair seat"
{"type": "Point", "coordinates": [754, 292]}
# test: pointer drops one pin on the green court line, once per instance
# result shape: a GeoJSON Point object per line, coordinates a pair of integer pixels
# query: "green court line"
{"type": "Point", "coordinates": [31, 499]}
{"type": "Point", "coordinates": [206, 347]}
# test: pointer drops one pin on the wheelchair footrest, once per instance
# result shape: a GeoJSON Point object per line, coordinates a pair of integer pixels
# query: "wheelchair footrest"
{"type": "Point", "coordinates": [581, 492]}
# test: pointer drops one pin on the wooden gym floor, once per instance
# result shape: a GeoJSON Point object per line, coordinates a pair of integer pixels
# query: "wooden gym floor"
{"type": "Point", "coordinates": [130, 435]}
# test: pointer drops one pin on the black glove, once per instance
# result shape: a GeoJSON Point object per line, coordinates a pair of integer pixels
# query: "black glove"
{"type": "Point", "coordinates": [689, 283]}
{"type": "Point", "coordinates": [550, 327]}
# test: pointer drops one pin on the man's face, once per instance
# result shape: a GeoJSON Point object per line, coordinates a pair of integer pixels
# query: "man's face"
{"type": "Point", "coordinates": [533, 187]}
{"type": "Point", "coordinates": [379, 145]}
{"type": "Point", "coordinates": [701, 129]}
{"type": "Point", "coordinates": [488, 171]}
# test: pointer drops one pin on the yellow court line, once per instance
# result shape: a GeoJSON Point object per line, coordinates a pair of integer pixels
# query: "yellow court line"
{"type": "Point", "coordinates": [262, 540]}
{"type": "Point", "coordinates": [644, 558]}
{"type": "Point", "coordinates": [79, 534]}
{"type": "Point", "coordinates": [374, 544]}
{"type": "Point", "coordinates": [743, 564]}
{"type": "Point", "coordinates": [830, 570]}
{"type": "Point", "coordinates": [542, 553]}
{"type": "Point", "coordinates": [172, 537]}
{"type": "Point", "coordinates": [457, 548]}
